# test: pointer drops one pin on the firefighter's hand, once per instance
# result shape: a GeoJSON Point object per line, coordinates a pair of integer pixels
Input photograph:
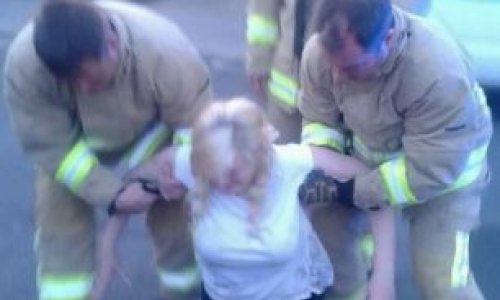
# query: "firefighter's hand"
{"type": "Point", "coordinates": [320, 188]}
{"type": "Point", "coordinates": [170, 188]}
{"type": "Point", "coordinates": [259, 84]}
{"type": "Point", "coordinates": [317, 188]}
{"type": "Point", "coordinates": [134, 199]}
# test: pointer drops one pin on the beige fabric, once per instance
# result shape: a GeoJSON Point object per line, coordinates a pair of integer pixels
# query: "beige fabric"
{"type": "Point", "coordinates": [160, 74]}
{"type": "Point", "coordinates": [422, 103]}
{"type": "Point", "coordinates": [436, 251]}
{"type": "Point", "coordinates": [279, 55]}
{"type": "Point", "coordinates": [65, 237]}
{"type": "Point", "coordinates": [161, 78]}
{"type": "Point", "coordinates": [289, 125]}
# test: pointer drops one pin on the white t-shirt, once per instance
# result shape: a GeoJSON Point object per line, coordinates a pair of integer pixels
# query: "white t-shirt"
{"type": "Point", "coordinates": [285, 261]}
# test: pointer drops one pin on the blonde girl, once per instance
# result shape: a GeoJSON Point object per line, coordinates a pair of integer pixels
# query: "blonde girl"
{"type": "Point", "coordinates": [251, 237]}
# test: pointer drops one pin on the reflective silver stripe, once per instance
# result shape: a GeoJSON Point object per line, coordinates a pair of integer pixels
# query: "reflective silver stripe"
{"type": "Point", "coordinates": [395, 182]}
{"type": "Point", "coordinates": [64, 287]}
{"type": "Point", "coordinates": [481, 98]}
{"type": "Point", "coordinates": [76, 165]}
{"type": "Point", "coordinates": [473, 168]}
{"type": "Point", "coordinates": [318, 134]}
{"type": "Point", "coordinates": [148, 144]}
{"type": "Point", "coordinates": [182, 136]}
{"type": "Point", "coordinates": [283, 87]}
{"type": "Point", "coordinates": [180, 281]}
{"type": "Point", "coordinates": [460, 268]}
{"type": "Point", "coordinates": [261, 30]}
{"type": "Point", "coordinates": [372, 156]}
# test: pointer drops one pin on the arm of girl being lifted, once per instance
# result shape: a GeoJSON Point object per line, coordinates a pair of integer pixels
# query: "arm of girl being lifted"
{"type": "Point", "coordinates": [107, 262]}
{"type": "Point", "coordinates": [343, 168]}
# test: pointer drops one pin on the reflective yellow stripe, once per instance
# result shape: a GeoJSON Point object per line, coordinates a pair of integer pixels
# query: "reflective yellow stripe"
{"type": "Point", "coordinates": [460, 268]}
{"type": "Point", "coordinates": [367, 248]}
{"type": "Point", "coordinates": [261, 30]}
{"type": "Point", "coordinates": [180, 281]}
{"type": "Point", "coordinates": [76, 165]}
{"type": "Point", "coordinates": [148, 144]}
{"type": "Point", "coordinates": [395, 182]}
{"type": "Point", "coordinates": [473, 168]}
{"type": "Point", "coordinates": [182, 136]}
{"type": "Point", "coordinates": [376, 157]}
{"type": "Point", "coordinates": [67, 287]}
{"type": "Point", "coordinates": [318, 134]}
{"type": "Point", "coordinates": [283, 87]}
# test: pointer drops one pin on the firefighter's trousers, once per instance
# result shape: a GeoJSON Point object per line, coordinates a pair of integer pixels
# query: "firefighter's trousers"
{"type": "Point", "coordinates": [439, 246]}
{"type": "Point", "coordinates": [66, 240]}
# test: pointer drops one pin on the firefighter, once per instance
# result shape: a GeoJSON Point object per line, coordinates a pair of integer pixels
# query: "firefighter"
{"type": "Point", "coordinates": [93, 90]}
{"type": "Point", "coordinates": [276, 32]}
{"type": "Point", "coordinates": [272, 60]}
{"type": "Point", "coordinates": [402, 89]}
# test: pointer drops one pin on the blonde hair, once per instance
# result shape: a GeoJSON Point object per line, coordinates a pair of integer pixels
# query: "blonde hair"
{"type": "Point", "coordinates": [248, 133]}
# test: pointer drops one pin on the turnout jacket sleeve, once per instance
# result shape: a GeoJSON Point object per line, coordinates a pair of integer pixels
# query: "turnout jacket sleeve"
{"type": "Point", "coordinates": [50, 134]}
{"type": "Point", "coordinates": [444, 147]}
{"type": "Point", "coordinates": [321, 116]}
{"type": "Point", "coordinates": [262, 34]}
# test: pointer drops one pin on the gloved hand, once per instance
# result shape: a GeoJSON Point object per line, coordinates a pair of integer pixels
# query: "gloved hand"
{"type": "Point", "coordinates": [319, 187]}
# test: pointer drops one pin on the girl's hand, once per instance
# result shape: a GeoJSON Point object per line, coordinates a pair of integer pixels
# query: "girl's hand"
{"type": "Point", "coordinates": [107, 262]}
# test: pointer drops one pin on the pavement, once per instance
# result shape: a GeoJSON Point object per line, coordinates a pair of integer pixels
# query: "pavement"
{"type": "Point", "coordinates": [216, 27]}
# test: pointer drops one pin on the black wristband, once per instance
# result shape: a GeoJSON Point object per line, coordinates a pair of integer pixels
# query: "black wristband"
{"type": "Point", "coordinates": [112, 208]}
{"type": "Point", "coordinates": [148, 185]}
{"type": "Point", "coordinates": [345, 193]}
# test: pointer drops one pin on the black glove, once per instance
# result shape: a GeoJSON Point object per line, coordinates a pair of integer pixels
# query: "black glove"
{"type": "Point", "coordinates": [321, 188]}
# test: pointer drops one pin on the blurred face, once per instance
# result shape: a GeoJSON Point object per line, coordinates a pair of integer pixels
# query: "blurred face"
{"type": "Point", "coordinates": [235, 178]}
{"type": "Point", "coordinates": [95, 75]}
{"type": "Point", "coordinates": [353, 62]}
{"type": "Point", "coordinates": [231, 172]}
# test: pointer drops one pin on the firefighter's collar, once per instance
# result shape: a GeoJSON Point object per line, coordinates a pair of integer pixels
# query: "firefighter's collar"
{"type": "Point", "coordinates": [401, 29]}
{"type": "Point", "coordinates": [124, 46]}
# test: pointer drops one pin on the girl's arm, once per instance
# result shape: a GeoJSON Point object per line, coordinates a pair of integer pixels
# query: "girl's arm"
{"type": "Point", "coordinates": [106, 254]}
{"type": "Point", "coordinates": [381, 284]}
{"type": "Point", "coordinates": [159, 168]}
{"type": "Point", "coordinates": [342, 168]}
{"type": "Point", "coordinates": [339, 166]}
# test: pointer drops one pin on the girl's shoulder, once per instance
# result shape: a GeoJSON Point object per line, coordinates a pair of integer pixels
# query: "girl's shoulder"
{"type": "Point", "coordinates": [292, 158]}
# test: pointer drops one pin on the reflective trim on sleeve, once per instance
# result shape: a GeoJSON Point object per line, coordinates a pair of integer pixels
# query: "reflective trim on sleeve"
{"type": "Point", "coordinates": [318, 134]}
{"type": "Point", "coordinates": [65, 287]}
{"type": "Point", "coordinates": [372, 156]}
{"type": "Point", "coordinates": [472, 170]}
{"type": "Point", "coordinates": [182, 136]}
{"type": "Point", "coordinates": [76, 165]}
{"type": "Point", "coordinates": [181, 281]}
{"type": "Point", "coordinates": [148, 144]}
{"type": "Point", "coordinates": [460, 268]}
{"type": "Point", "coordinates": [481, 98]}
{"type": "Point", "coordinates": [283, 87]}
{"type": "Point", "coordinates": [367, 248]}
{"type": "Point", "coordinates": [261, 30]}
{"type": "Point", "coordinates": [395, 182]}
